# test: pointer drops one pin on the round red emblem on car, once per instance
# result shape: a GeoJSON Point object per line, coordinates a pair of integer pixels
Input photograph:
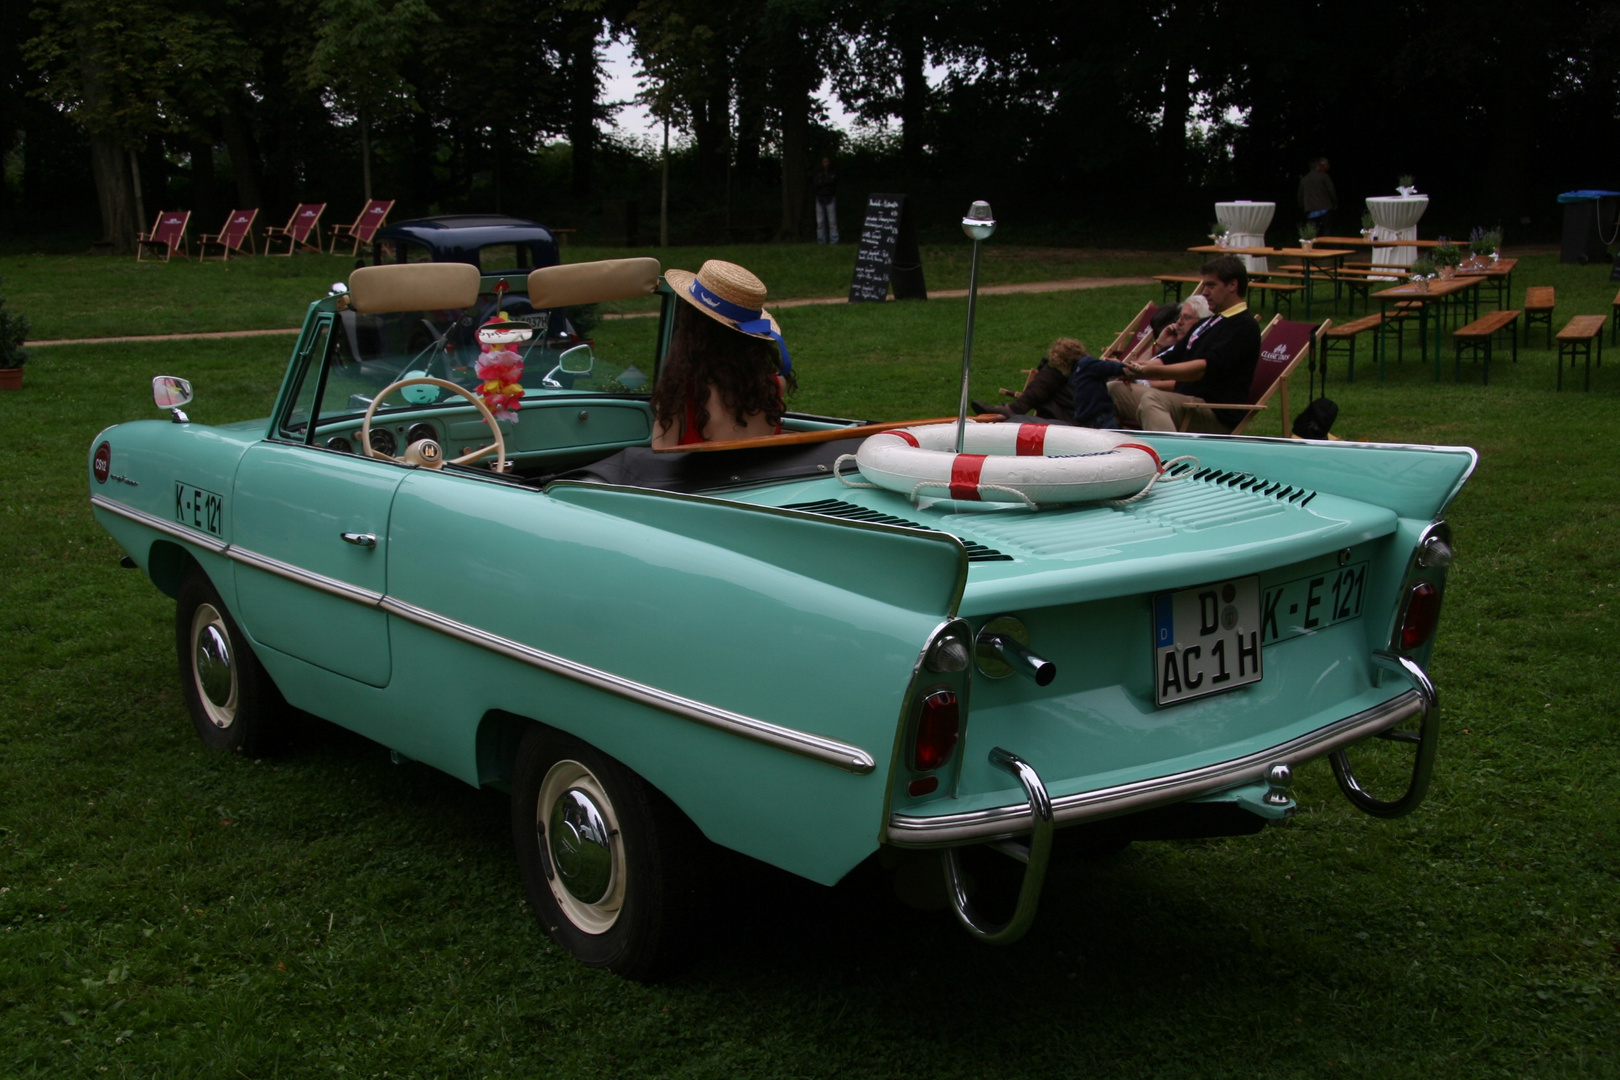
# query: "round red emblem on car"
{"type": "Point", "coordinates": [102, 465]}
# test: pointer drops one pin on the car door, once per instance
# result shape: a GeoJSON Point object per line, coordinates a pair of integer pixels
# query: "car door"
{"type": "Point", "coordinates": [310, 540]}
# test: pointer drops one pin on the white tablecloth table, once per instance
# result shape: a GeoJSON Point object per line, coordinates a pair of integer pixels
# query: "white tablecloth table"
{"type": "Point", "coordinates": [1395, 218]}
{"type": "Point", "coordinates": [1246, 223]}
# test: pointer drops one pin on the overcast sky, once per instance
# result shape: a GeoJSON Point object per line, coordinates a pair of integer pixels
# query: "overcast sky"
{"type": "Point", "coordinates": [619, 83]}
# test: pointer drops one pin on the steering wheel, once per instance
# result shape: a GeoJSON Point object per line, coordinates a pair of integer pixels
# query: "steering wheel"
{"type": "Point", "coordinates": [427, 452]}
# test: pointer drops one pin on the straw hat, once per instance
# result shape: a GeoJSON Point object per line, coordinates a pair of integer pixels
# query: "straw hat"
{"type": "Point", "coordinates": [742, 296]}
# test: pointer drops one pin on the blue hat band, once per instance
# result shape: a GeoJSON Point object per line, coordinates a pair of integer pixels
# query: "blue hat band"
{"type": "Point", "coordinates": [748, 320]}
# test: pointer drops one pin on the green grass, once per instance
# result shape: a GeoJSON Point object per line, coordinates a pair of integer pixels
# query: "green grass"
{"type": "Point", "coordinates": [97, 296]}
{"type": "Point", "coordinates": [167, 912]}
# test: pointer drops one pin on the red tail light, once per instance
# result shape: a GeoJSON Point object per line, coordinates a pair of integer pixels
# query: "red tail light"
{"type": "Point", "coordinates": [938, 728]}
{"type": "Point", "coordinates": [1422, 613]}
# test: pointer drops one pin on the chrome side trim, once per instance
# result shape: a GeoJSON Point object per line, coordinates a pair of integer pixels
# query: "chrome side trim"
{"type": "Point", "coordinates": [167, 528]}
{"type": "Point", "coordinates": [850, 758]}
{"type": "Point", "coordinates": [1005, 821]}
{"type": "Point", "coordinates": [829, 751]}
{"type": "Point", "coordinates": [319, 582]}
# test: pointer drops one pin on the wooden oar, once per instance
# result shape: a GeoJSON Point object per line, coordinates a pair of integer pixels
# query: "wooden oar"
{"type": "Point", "coordinates": [801, 438]}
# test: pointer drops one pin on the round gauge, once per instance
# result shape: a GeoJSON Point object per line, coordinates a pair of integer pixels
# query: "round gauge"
{"type": "Point", "coordinates": [340, 444]}
{"type": "Point", "coordinates": [419, 432]}
{"type": "Point", "coordinates": [383, 441]}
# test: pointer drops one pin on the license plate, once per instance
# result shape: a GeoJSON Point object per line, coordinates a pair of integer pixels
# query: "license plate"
{"type": "Point", "coordinates": [1206, 640]}
{"type": "Point", "coordinates": [1308, 604]}
{"type": "Point", "coordinates": [199, 508]}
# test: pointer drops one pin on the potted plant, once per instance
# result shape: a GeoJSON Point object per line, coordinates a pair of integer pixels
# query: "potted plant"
{"type": "Point", "coordinates": [1367, 224]}
{"type": "Point", "coordinates": [1446, 259]}
{"type": "Point", "coordinates": [1422, 271]}
{"type": "Point", "coordinates": [1406, 185]}
{"type": "Point", "coordinates": [1307, 235]}
{"type": "Point", "coordinates": [1217, 234]}
{"type": "Point", "coordinates": [13, 332]}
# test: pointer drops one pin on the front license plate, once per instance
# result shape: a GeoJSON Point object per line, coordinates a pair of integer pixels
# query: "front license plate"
{"type": "Point", "coordinates": [200, 509]}
{"type": "Point", "coordinates": [1206, 640]}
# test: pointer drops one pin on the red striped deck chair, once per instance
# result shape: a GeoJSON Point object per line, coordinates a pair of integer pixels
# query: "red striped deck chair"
{"type": "Point", "coordinates": [365, 226]}
{"type": "Point", "coordinates": [304, 221]}
{"type": "Point", "coordinates": [1132, 335]}
{"type": "Point", "coordinates": [168, 233]}
{"type": "Point", "coordinates": [1283, 346]}
{"type": "Point", "coordinates": [237, 231]}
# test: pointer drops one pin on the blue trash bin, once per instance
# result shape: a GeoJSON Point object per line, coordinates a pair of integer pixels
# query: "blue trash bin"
{"type": "Point", "coordinates": [1589, 225]}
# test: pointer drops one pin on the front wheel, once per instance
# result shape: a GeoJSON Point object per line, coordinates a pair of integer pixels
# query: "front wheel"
{"type": "Point", "coordinates": [233, 703]}
{"type": "Point", "coordinates": [607, 860]}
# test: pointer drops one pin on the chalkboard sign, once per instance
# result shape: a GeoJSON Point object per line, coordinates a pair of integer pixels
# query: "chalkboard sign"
{"type": "Point", "coordinates": [888, 254]}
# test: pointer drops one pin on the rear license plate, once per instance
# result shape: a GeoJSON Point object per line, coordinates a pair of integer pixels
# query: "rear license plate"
{"type": "Point", "coordinates": [1206, 640]}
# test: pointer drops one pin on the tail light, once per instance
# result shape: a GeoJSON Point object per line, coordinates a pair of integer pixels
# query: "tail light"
{"type": "Point", "coordinates": [1422, 613]}
{"type": "Point", "coordinates": [938, 728]}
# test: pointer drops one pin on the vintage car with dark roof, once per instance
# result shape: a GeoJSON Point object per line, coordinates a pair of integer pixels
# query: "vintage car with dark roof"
{"type": "Point", "coordinates": [756, 646]}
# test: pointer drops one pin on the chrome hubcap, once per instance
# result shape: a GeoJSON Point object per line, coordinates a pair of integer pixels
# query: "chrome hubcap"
{"type": "Point", "coordinates": [211, 665]}
{"type": "Point", "coordinates": [580, 846]}
{"type": "Point", "coordinates": [578, 831]}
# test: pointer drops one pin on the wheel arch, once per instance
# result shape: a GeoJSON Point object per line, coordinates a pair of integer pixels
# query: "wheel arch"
{"type": "Point", "coordinates": [167, 564]}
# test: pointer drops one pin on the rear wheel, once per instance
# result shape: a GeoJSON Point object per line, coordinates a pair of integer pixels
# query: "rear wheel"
{"type": "Point", "coordinates": [607, 860]}
{"type": "Point", "coordinates": [234, 706]}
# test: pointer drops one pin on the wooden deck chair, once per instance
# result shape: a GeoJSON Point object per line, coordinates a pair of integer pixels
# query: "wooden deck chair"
{"type": "Point", "coordinates": [237, 231]}
{"type": "Point", "coordinates": [305, 220]}
{"type": "Point", "coordinates": [1132, 335]}
{"type": "Point", "coordinates": [365, 226]}
{"type": "Point", "coordinates": [1283, 346]}
{"type": "Point", "coordinates": [168, 233]}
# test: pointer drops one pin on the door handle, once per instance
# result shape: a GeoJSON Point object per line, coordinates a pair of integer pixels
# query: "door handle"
{"type": "Point", "coordinates": [365, 540]}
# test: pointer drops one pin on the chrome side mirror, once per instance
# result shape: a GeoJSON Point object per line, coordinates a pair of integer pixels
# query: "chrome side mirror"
{"type": "Point", "coordinates": [169, 392]}
{"type": "Point", "coordinates": [576, 361]}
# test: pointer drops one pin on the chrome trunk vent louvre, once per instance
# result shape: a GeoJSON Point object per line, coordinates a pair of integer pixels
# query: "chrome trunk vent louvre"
{"type": "Point", "coordinates": [837, 508]}
{"type": "Point", "coordinates": [1243, 481]}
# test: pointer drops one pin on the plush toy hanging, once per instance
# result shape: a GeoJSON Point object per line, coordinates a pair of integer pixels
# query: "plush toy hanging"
{"type": "Point", "coordinates": [499, 365]}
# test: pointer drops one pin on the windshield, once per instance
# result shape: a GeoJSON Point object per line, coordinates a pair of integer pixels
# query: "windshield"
{"type": "Point", "coordinates": [365, 353]}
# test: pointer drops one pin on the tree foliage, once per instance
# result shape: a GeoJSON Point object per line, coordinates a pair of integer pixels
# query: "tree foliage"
{"type": "Point", "coordinates": [1138, 112]}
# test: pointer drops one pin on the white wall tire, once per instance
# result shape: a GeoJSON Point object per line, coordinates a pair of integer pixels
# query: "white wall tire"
{"type": "Point", "coordinates": [234, 705]}
{"type": "Point", "coordinates": [624, 899]}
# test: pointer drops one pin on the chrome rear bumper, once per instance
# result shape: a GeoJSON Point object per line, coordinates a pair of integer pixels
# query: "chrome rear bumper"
{"type": "Point", "coordinates": [950, 830]}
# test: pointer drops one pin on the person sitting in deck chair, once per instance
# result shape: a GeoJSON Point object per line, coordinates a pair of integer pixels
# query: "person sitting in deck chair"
{"type": "Point", "coordinates": [1212, 364]}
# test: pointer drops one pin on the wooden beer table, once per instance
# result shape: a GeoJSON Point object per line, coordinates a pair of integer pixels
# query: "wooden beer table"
{"type": "Point", "coordinates": [1439, 292]}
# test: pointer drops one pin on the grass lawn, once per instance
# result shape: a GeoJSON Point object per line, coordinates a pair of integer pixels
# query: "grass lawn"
{"type": "Point", "coordinates": [168, 912]}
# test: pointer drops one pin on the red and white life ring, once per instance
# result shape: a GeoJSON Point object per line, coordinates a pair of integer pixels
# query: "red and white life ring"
{"type": "Point", "coordinates": [1030, 463]}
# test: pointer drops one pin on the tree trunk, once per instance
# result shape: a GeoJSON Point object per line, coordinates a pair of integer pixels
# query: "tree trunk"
{"type": "Point", "coordinates": [365, 154]}
{"type": "Point", "coordinates": [795, 83]}
{"type": "Point", "coordinates": [584, 82]}
{"type": "Point", "coordinates": [913, 95]}
{"type": "Point", "coordinates": [204, 190]}
{"type": "Point", "coordinates": [244, 160]}
{"type": "Point", "coordinates": [109, 162]}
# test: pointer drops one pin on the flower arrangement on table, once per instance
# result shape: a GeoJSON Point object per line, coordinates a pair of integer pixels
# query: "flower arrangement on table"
{"type": "Point", "coordinates": [1422, 272]}
{"type": "Point", "coordinates": [1218, 233]}
{"type": "Point", "coordinates": [1406, 185]}
{"type": "Point", "coordinates": [1367, 225]}
{"type": "Point", "coordinates": [1307, 234]}
{"type": "Point", "coordinates": [1483, 242]}
{"type": "Point", "coordinates": [1446, 258]}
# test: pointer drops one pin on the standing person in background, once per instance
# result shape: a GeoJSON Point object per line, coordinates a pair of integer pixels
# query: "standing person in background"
{"type": "Point", "coordinates": [1318, 198]}
{"type": "Point", "coordinates": [825, 186]}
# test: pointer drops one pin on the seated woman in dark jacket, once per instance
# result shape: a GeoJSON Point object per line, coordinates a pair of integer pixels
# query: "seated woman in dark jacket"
{"type": "Point", "coordinates": [1047, 392]}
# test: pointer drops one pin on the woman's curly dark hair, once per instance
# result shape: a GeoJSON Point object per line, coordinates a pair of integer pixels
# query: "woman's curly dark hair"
{"type": "Point", "coordinates": [704, 353]}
